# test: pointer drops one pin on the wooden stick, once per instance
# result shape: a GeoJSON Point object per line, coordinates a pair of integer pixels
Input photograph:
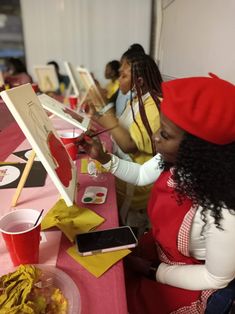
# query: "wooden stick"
{"type": "Point", "coordinates": [23, 178]}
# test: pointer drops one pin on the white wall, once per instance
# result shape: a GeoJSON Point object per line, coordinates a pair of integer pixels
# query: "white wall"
{"type": "Point", "coordinates": [197, 37]}
{"type": "Point", "coordinates": [84, 32]}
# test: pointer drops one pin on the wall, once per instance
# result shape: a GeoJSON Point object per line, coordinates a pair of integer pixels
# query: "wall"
{"type": "Point", "coordinates": [84, 32]}
{"type": "Point", "coordinates": [197, 37]}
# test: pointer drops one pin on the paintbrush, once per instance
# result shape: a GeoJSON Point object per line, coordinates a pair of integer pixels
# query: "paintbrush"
{"type": "Point", "coordinates": [81, 139]}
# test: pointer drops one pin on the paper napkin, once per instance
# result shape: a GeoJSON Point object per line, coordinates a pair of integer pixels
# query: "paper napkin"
{"type": "Point", "coordinates": [98, 264]}
{"type": "Point", "coordinates": [71, 220]}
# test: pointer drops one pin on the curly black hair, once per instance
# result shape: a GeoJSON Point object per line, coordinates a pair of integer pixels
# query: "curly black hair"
{"type": "Point", "coordinates": [205, 172]}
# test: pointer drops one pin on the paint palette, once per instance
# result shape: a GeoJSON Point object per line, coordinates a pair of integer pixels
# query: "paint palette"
{"type": "Point", "coordinates": [94, 195]}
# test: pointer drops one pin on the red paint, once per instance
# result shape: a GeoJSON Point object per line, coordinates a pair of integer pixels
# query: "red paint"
{"type": "Point", "coordinates": [60, 155]}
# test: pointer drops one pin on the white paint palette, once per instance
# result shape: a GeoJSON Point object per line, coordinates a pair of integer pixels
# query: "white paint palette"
{"type": "Point", "coordinates": [94, 195]}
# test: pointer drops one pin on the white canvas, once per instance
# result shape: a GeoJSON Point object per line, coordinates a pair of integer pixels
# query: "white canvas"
{"type": "Point", "coordinates": [37, 127]}
{"type": "Point", "coordinates": [46, 78]}
{"type": "Point", "coordinates": [74, 78]}
{"type": "Point", "coordinates": [64, 112]}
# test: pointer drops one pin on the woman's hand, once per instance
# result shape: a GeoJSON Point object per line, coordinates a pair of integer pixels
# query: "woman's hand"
{"type": "Point", "coordinates": [93, 147]}
{"type": "Point", "coordinates": [89, 109]}
{"type": "Point", "coordinates": [142, 266]}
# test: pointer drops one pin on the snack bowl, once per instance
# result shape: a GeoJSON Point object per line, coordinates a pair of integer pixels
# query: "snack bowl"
{"type": "Point", "coordinates": [65, 283]}
{"type": "Point", "coordinates": [51, 278]}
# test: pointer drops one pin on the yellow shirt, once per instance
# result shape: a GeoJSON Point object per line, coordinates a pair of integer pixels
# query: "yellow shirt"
{"type": "Point", "coordinates": [111, 88]}
{"type": "Point", "coordinates": [143, 142]}
{"type": "Point", "coordinates": [140, 135]}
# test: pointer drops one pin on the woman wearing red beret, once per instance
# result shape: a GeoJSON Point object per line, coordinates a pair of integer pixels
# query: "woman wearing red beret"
{"type": "Point", "coordinates": [190, 251]}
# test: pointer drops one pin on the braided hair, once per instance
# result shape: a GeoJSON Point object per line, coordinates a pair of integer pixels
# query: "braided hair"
{"type": "Point", "coordinates": [205, 172]}
{"type": "Point", "coordinates": [143, 66]}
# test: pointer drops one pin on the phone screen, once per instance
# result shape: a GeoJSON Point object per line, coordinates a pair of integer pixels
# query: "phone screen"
{"type": "Point", "coordinates": [105, 239]}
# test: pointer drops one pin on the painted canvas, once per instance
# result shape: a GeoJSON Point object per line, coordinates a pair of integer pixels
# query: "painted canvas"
{"type": "Point", "coordinates": [65, 113]}
{"type": "Point", "coordinates": [46, 78]}
{"type": "Point", "coordinates": [37, 127]}
{"type": "Point", "coordinates": [91, 89]}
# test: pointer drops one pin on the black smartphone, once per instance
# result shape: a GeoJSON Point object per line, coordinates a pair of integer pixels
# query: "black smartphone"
{"type": "Point", "coordinates": [105, 240]}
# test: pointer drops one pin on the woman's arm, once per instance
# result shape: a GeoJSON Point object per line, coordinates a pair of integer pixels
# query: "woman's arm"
{"type": "Point", "coordinates": [219, 267]}
{"type": "Point", "coordinates": [127, 171]}
{"type": "Point", "coordinates": [120, 134]}
{"type": "Point", "coordinates": [135, 173]}
{"type": "Point", "coordinates": [108, 120]}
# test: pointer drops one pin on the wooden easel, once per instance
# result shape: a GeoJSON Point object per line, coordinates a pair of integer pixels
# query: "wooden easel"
{"type": "Point", "coordinates": [23, 178]}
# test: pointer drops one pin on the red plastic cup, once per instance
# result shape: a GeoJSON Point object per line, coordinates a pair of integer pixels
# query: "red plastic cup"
{"type": "Point", "coordinates": [69, 141]}
{"type": "Point", "coordinates": [73, 101]}
{"type": "Point", "coordinates": [21, 237]}
{"type": "Point", "coordinates": [35, 87]}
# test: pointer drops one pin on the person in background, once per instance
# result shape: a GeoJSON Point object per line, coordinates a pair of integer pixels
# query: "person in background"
{"type": "Point", "coordinates": [121, 100]}
{"type": "Point", "coordinates": [16, 73]}
{"type": "Point", "coordinates": [133, 131]}
{"type": "Point", "coordinates": [112, 74]}
{"type": "Point", "coordinates": [186, 263]}
{"type": "Point", "coordinates": [63, 79]}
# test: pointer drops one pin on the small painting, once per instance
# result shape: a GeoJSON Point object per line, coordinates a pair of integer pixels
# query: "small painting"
{"type": "Point", "coordinates": [46, 78]}
{"type": "Point", "coordinates": [91, 89]}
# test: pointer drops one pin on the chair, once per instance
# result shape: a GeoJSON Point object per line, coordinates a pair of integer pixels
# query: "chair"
{"type": "Point", "coordinates": [222, 300]}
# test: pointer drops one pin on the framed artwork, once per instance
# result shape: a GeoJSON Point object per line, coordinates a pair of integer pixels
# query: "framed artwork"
{"type": "Point", "coordinates": [47, 78]}
{"type": "Point", "coordinates": [90, 87]}
{"type": "Point", "coordinates": [65, 113]}
{"type": "Point", "coordinates": [77, 87]}
{"type": "Point", "coordinates": [25, 106]}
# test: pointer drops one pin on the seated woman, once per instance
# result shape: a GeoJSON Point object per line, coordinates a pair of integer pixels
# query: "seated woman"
{"type": "Point", "coordinates": [16, 73]}
{"type": "Point", "coordinates": [189, 253]}
{"type": "Point", "coordinates": [132, 136]}
{"type": "Point", "coordinates": [112, 74]}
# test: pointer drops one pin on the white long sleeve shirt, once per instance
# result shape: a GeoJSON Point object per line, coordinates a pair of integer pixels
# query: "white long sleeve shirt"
{"type": "Point", "coordinates": [216, 247]}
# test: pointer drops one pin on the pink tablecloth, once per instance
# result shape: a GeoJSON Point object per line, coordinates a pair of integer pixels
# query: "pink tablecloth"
{"type": "Point", "coordinates": [104, 295]}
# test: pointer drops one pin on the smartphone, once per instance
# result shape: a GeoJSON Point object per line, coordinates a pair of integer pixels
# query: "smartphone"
{"type": "Point", "coordinates": [105, 240]}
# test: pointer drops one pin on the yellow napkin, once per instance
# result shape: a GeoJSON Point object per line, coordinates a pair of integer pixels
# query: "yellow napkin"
{"type": "Point", "coordinates": [84, 164]}
{"type": "Point", "coordinates": [98, 264]}
{"type": "Point", "coordinates": [71, 220]}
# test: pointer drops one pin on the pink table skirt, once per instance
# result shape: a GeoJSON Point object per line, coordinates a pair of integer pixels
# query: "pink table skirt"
{"type": "Point", "coordinates": [98, 296]}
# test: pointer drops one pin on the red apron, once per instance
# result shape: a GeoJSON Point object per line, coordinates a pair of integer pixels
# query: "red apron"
{"type": "Point", "coordinates": [171, 224]}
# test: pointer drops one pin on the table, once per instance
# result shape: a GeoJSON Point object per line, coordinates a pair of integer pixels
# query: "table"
{"type": "Point", "coordinates": [98, 296]}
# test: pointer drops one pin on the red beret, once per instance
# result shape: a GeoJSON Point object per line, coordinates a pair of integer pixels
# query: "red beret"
{"type": "Point", "coordinates": [202, 106]}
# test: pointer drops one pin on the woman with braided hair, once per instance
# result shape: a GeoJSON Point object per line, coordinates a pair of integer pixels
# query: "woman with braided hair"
{"type": "Point", "coordinates": [188, 258]}
{"type": "Point", "coordinates": [133, 135]}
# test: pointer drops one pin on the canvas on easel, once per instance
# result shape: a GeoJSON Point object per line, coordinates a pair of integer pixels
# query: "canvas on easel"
{"type": "Point", "coordinates": [1, 79]}
{"type": "Point", "coordinates": [65, 113]}
{"type": "Point", "coordinates": [38, 129]}
{"type": "Point", "coordinates": [77, 87]}
{"type": "Point", "coordinates": [92, 91]}
{"type": "Point", "coordinates": [47, 78]}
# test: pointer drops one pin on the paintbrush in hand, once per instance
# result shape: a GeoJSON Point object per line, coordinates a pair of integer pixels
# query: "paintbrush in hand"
{"type": "Point", "coordinates": [81, 138]}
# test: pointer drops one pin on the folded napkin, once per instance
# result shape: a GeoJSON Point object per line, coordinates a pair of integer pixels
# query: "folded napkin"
{"type": "Point", "coordinates": [98, 264]}
{"type": "Point", "coordinates": [84, 165]}
{"type": "Point", "coordinates": [71, 220]}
